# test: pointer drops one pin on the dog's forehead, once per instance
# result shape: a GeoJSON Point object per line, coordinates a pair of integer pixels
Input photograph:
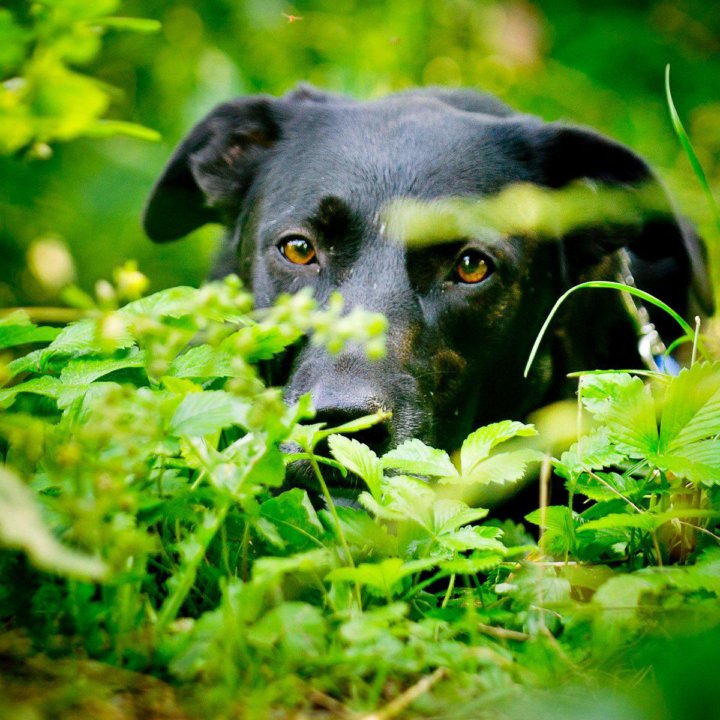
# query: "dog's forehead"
{"type": "Point", "coordinates": [369, 153]}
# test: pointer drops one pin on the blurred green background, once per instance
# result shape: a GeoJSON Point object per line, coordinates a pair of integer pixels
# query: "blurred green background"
{"type": "Point", "coordinates": [601, 64]}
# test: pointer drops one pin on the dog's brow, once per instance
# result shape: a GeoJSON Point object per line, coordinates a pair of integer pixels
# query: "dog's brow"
{"type": "Point", "coordinates": [333, 216]}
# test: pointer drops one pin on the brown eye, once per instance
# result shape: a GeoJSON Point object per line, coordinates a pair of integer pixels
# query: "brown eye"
{"type": "Point", "coordinates": [472, 267]}
{"type": "Point", "coordinates": [298, 250]}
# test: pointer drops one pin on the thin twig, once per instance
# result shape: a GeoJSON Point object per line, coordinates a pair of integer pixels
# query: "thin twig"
{"type": "Point", "coordinates": [545, 472]}
{"type": "Point", "coordinates": [327, 702]}
{"type": "Point", "coordinates": [396, 706]}
{"type": "Point", "coordinates": [502, 633]}
{"type": "Point", "coordinates": [55, 315]}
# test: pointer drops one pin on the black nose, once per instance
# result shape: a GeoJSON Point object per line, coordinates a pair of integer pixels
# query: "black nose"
{"type": "Point", "coordinates": [339, 407]}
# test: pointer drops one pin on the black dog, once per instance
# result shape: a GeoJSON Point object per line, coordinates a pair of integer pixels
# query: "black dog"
{"type": "Point", "coordinates": [303, 183]}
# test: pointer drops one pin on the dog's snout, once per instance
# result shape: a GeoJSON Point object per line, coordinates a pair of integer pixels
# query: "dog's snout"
{"type": "Point", "coordinates": [343, 405]}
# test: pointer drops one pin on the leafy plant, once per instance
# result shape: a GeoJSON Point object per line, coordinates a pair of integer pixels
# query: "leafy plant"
{"type": "Point", "coordinates": [146, 522]}
{"type": "Point", "coordinates": [43, 98]}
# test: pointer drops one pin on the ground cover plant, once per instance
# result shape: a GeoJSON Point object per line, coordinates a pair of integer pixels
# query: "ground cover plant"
{"type": "Point", "coordinates": [145, 523]}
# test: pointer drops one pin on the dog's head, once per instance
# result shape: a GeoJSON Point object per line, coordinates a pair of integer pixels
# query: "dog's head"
{"type": "Point", "coordinates": [306, 184]}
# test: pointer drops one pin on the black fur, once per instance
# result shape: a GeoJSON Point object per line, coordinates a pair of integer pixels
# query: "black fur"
{"type": "Point", "coordinates": [328, 165]}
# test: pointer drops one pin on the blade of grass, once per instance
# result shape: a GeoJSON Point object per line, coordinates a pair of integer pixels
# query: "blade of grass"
{"type": "Point", "coordinates": [610, 285]}
{"type": "Point", "coordinates": [690, 150]}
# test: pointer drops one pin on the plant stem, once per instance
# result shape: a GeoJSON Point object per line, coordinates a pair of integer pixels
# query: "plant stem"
{"type": "Point", "coordinates": [185, 576]}
{"type": "Point", "coordinates": [335, 516]}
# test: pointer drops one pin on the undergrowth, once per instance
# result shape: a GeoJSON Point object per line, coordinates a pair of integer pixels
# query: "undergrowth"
{"type": "Point", "coordinates": [146, 522]}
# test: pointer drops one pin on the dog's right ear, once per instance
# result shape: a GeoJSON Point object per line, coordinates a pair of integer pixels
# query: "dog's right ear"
{"type": "Point", "coordinates": [212, 168]}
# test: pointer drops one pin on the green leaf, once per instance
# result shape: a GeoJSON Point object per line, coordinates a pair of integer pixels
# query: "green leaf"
{"type": "Point", "coordinates": [473, 538]}
{"type": "Point", "coordinates": [297, 627]}
{"type": "Point", "coordinates": [207, 412]}
{"type": "Point", "coordinates": [46, 385]}
{"type": "Point", "coordinates": [698, 462]}
{"type": "Point", "coordinates": [591, 452]}
{"type": "Point", "coordinates": [448, 515]}
{"type": "Point", "coordinates": [503, 468]}
{"type": "Point", "coordinates": [603, 486]}
{"type": "Point", "coordinates": [403, 498]}
{"type": "Point", "coordinates": [77, 339]}
{"type": "Point", "coordinates": [622, 594]}
{"type": "Point", "coordinates": [22, 527]}
{"type": "Point", "coordinates": [642, 521]}
{"type": "Point", "coordinates": [86, 370]}
{"type": "Point", "coordinates": [381, 579]}
{"type": "Point", "coordinates": [359, 459]}
{"type": "Point", "coordinates": [202, 361]}
{"type": "Point", "coordinates": [295, 519]}
{"type": "Point", "coordinates": [692, 407]}
{"type": "Point", "coordinates": [175, 302]}
{"type": "Point", "coordinates": [413, 457]}
{"type": "Point", "coordinates": [558, 522]}
{"type": "Point", "coordinates": [478, 445]}
{"type": "Point", "coordinates": [478, 562]}
{"type": "Point", "coordinates": [16, 329]}
{"type": "Point", "coordinates": [630, 419]}
{"type": "Point", "coordinates": [270, 569]}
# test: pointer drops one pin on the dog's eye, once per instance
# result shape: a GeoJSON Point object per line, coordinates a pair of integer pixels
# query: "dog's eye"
{"type": "Point", "coordinates": [298, 250]}
{"type": "Point", "coordinates": [472, 267]}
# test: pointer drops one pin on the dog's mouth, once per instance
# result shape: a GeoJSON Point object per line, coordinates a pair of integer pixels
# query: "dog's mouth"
{"type": "Point", "coordinates": [343, 487]}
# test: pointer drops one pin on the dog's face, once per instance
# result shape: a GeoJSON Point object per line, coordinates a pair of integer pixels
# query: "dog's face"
{"type": "Point", "coordinates": [306, 186]}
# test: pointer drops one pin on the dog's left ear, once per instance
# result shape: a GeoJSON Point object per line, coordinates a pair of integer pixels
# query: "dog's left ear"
{"type": "Point", "coordinates": [212, 168]}
{"type": "Point", "coordinates": [672, 253]}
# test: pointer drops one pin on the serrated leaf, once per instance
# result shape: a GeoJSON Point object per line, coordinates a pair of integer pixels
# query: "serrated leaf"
{"type": "Point", "coordinates": [631, 421]}
{"type": "Point", "coordinates": [502, 468]}
{"type": "Point", "coordinates": [408, 498]}
{"type": "Point", "coordinates": [86, 370]}
{"type": "Point", "coordinates": [478, 444]}
{"type": "Point", "coordinates": [598, 391]}
{"type": "Point", "coordinates": [416, 458]}
{"type": "Point", "coordinates": [75, 340]}
{"type": "Point", "coordinates": [359, 459]}
{"type": "Point", "coordinates": [174, 302]}
{"type": "Point", "coordinates": [698, 462]}
{"type": "Point", "coordinates": [448, 515]}
{"type": "Point", "coordinates": [363, 532]}
{"type": "Point", "coordinates": [201, 361]}
{"type": "Point", "coordinates": [603, 486]}
{"type": "Point", "coordinates": [591, 452]}
{"type": "Point", "coordinates": [207, 412]}
{"type": "Point", "coordinates": [472, 538]}
{"type": "Point", "coordinates": [692, 407]}
{"type": "Point", "coordinates": [642, 521]}
{"type": "Point", "coordinates": [478, 562]}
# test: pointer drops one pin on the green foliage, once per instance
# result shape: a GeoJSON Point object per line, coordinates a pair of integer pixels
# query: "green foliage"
{"type": "Point", "coordinates": [42, 98]}
{"type": "Point", "coordinates": [145, 498]}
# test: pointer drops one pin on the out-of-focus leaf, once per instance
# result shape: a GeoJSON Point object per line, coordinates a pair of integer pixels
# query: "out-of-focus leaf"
{"type": "Point", "coordinates": [22, 527]}
{"type": "Point", "coordinates": [207, 412]}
